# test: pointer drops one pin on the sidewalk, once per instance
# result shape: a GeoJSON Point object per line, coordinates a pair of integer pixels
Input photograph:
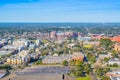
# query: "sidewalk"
{"type": "Point", "coordinates": [8, 77]}
{"type": "Point", "coordinates": [69, 78]}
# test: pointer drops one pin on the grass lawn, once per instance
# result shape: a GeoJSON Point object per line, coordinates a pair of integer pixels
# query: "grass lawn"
{"type": "Point", "coordinates": [88, 46]}
{"type": "Point", "coordinates": [84, 78]}
{"type": "Point", "coordinates": [45, 41]}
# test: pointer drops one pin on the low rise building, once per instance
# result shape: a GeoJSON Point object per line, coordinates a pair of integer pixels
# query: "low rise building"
{"type": "Point", "coordinates": [115, 39]}
{"type": "Point", "coordinates": [71, 45]}
{"type": "Point", "coordinates": [22, 58]}
{"type": "Point", "coordinates": [78, 56]}
{"type": "Point", "coordinates": [60, 35]}
{"type": "Point", "coordinates": [114, 75]}
{"type": "Point", "coordinates": [114, 61]}
{"type": "Point", "coordinates": [32, 46]}
{"type": "Point", "coordinates": [103, 56]}
{"type": "Point", "coordinates": [21, 42]}
{"type": "Point", "coordinates": [18, 60]}
{"type": "Point", "coordinates": [82, 38]}
{"type": "Point", "coordinates": [117, 47]}
{"type": "Point", "coordinates": [51, 59]}
{"type": "Point", "coordinates": [56, 59]}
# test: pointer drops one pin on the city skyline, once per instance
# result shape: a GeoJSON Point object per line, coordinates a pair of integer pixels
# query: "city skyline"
{"type": "Point", "coordinates": [59, 11]}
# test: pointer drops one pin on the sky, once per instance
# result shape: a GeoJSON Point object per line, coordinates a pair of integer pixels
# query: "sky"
{"type": "Point", "coordinates": [59, 10]}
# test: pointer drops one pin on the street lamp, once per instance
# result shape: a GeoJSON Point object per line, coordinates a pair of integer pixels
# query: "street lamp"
{"type": "Point", "coordinates": [63, 77]}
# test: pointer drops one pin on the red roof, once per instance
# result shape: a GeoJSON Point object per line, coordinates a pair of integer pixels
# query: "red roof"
{"type": "Point", "coordinates": [116, 38]}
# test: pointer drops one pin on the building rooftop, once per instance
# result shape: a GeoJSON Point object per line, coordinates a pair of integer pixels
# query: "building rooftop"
{"type": "Point", "coordinates": [115, 78]}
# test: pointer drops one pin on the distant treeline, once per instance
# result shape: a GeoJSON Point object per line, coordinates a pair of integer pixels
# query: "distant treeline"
{"type": "Point", "coordinates": [96, 28]}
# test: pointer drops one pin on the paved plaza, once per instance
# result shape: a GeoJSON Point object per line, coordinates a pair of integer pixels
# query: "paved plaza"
{"type": "Point", "coordinates": [40, 73]}
{"type": "Point", "coordinates": [44, 76]}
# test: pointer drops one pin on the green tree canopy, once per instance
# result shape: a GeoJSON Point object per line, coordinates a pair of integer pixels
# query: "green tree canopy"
{"type": "Point", "coordinates": [105, 42]}
{"type": "Point", "coordinates": [65, 63]}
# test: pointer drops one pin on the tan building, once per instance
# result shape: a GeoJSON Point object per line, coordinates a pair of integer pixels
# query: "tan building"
{"type": "Point", "coordinates": [15, 61]}
{"type": "Point", "coordinates": [117, 47]}
{"type": "Point", "coordinates": [19, 59]}
{"type": "Point", "coordinates": [78, 56]}
{"type": "Point", "coordinates": [53, 34]}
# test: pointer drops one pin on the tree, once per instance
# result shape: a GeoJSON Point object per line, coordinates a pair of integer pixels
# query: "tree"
{"type": "Point", "coordinates": [72, 62]}
{"type": "Point", "coordinates": [79, 68]}
{"type": "Point", "coordinates": [91, 57]}
{"type": "Point", "coordinates": [114, 55]}
{"type": "Point", "coordinates": [65, 63]}
{"type": "Point", "coordinates": [105, 78]}
{"type": "Point", "coordinates": [59, 52]}
{"type": "Point", "coordinates": [79, 63]}
{"type": "Point", "coordinates": [79, 73]}
{"type": "Point", "coordinates": [115, 65]}
{"type": "Point", "coordinates": [45, 52]}
{"type": "Point", "coordinates": [101, 71]}
{"type": "Point", "coordinates": [8, 67]}
{"type": "Point", "coordinates": [87, 68]}
{"type": "Point", "coordinates": [106, 59]}
{"type": "Point", "coordinates": [76, 49]}
{"type": "Point", "coordinates": [105, 43]}
{"type": "Point", "coordinates": [38, 62]}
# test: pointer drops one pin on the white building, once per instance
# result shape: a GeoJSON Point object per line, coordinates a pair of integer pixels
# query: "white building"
{"type": "Point", "coordinates": [114, 75]}
{"type": "Point", "coordinates": [114, 61]}
{"type": "Point", "coordinates": [56, 59]}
